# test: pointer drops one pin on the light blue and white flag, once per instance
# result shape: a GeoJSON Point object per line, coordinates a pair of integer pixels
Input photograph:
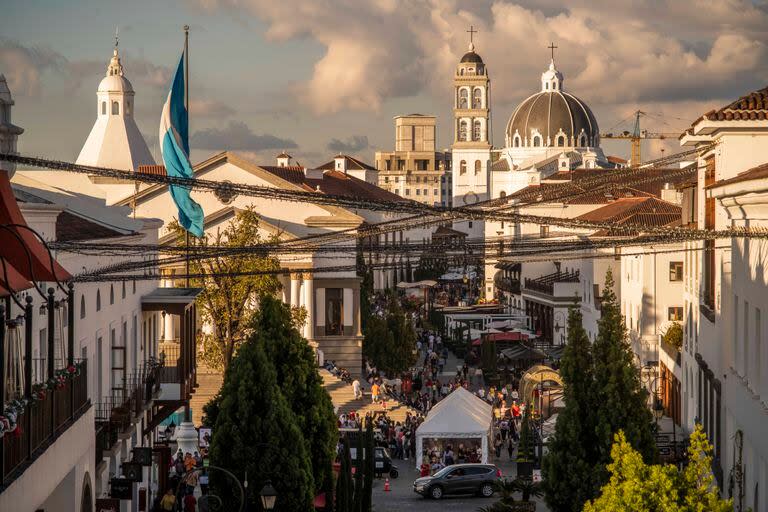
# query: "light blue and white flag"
{"type": "Point", "coordinates": [174, 146]}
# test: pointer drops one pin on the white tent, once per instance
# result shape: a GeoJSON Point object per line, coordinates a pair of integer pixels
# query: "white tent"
{"type": "Point", "coordinates": [460, 415]}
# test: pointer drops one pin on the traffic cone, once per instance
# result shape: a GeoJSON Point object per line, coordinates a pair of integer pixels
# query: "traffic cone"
{"type": "Point", "coordinates": [386, 485]}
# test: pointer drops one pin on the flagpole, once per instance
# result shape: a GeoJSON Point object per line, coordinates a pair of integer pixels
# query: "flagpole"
{"type": "Point", "coordinates": [186, 106]}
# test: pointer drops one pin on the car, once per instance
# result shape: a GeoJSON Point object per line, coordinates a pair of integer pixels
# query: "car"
{"type": "Point", "coordinates": [459, 479]}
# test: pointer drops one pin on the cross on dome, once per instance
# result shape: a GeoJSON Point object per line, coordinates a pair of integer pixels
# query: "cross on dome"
{"type": "Point", "coordinates": [471, 33]}
{"type": "Point", "coordinates": [552, 79]}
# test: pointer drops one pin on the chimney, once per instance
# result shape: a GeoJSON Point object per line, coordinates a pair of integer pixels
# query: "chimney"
{"type": "Point", "coordinates": [284, 160]}
{"type": "Point", "coordinates": [563, 162]}
{"type": "Point", "coordinates": [340, 163]}
{"type": "Point", "coordinates": [671, 195]}
{"type": "Point", "coordinates": [313, 174]}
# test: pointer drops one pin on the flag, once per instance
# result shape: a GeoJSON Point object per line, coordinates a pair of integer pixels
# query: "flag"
{"type": "Point", "coordinates": [174, 146]}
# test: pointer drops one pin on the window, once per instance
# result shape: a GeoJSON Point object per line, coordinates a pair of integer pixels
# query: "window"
{"type": "Point", "coordinates": [426, 192]}
{"type": "Point", "coordinates": [82, 306]}
{"type": "Point", "coordinates": [127, 107]}
{"type": "Point", "coordinates": [397, 179]}
{"type": "Point", "coordinates": [407, 191]}
{"type": "Point", "coordinates": [470, 224]}
{"type": "Point", "coordinates": [536, 141]}
{"type": "Point", "coordinates": [103, 108]}
{"type": "Point", "coordinates": [111, 294]}
{"type": "Point", "coordinates": [561, 141]}
{"type": "Point", "coordinates": [675, 270]}
{"type": "Point", "coordinates": [478, 166]}
{"type": "Point", "coordinates": [546, 86]}
{"type": "Point", "coordinates": [386, 179]}
{"type": "Point", "coordinates": [115, 108]}
{"type": "Point", "coordinates": [675, 313]}
{"type": "Point", "coordinates": [502, 194]}
{"type": "Point", "coordinates": [543, 231]}
{"type": "Point", "coordinates": [582, 140]}
{"type": "Point", "coordinates": [463, 167]}
{"type": "Point", "coordinates": [463, 130]}
{"type": "Point", "coordinates": [463, 98]}
{"type": "Point", "coordinates": [334, 308]}
{"type": "Point", "coordinates": [134, 287]}
{"type": "Point", "coordinates": [476, 129]}
{"type": "Point", "coordinates": [709, 245]}
{"type": "Point", "coordinates": [435, 192]}
{"type": "Point", "coordinates": [98, 300]}
{"type": "Point", "coordinates": [123, 292]}
{"type": "Point", "coordinates": [477, 98]}
{"type": "Point", "coordinates": [516, 141]}
{"type": "Point", "coordinates": [418, 191]}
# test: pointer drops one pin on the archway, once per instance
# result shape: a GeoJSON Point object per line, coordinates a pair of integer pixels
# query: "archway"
{"type": "Point", "coordinates": [86, 501]}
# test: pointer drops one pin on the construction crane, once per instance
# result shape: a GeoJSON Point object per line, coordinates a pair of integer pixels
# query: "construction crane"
{"type": "Point", "coordinates": [636, 136]}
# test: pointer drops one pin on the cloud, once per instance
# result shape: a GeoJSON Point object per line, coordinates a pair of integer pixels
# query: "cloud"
{"type": "Point", "coordinates": [352, 144]}
{"type": "Point", "coordinates": [612, 52]}
{"type": "Point", "coordinates": [237, 136]}
{"type": "Point", "coordinates": [23, 66]}
{"type": "Point", "coordinates": [210, 108]}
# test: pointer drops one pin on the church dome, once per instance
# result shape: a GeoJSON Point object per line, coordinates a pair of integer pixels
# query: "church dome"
{"type": "Point", "coordinates": [471, 56]}
{"type": "Point", "coordinates": [115, 81]}
{"type": "Point", "coordinates": [552, 117]}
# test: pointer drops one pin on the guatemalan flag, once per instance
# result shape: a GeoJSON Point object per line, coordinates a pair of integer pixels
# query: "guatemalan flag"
{"type": "Point", "coordinates": [174, 146]}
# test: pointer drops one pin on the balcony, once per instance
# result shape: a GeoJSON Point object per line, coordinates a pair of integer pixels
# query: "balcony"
{"type": "Point", "coordinates": [506, 284]}
{"type": "Point", "coordinates": [546, 284]}
{"type": "Point", "coordinates": [42, 421]}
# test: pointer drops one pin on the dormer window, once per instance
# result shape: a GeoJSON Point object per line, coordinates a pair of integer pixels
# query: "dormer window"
{"type": "Point", "coordinates": [115, 108]}
{"type": "Point", "coordinates": [103, 108]}
{"type": "Point", "coordinates": [546, 86]}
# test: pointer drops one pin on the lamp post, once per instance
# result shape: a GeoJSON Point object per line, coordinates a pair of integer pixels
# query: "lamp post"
{"type": "Point", "coordinates": [268, 496]}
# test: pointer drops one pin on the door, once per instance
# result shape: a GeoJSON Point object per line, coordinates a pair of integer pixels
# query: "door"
{"type": "Point", "coordinates": [456, 482]}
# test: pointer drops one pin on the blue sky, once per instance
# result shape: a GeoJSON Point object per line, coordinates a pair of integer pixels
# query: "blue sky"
{"type": "Point", "coordinates": [306, 73]}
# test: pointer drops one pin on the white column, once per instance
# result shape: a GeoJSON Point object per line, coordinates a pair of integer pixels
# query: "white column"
{"type": "Point", "coordinates": [285, 282]}
{"type": "Point", "coordinates": [168, 327]}
{"type": "Point", "coordinates": [295, 289]}
{"type": "Point", "coordinates": [309, 304]}
{"type": "Point", "coordinates": [419, 451]}
{"type": "Point", "coordinates": [484, 449]}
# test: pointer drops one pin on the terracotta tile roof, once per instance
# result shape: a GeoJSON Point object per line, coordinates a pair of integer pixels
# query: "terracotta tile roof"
{"type": "Point", "coordinates": [616, 160]}
{"type": "Point", "coordinates": [750, 107]}
{"type": "Point", "coordinates": [756, 173]}
{"type": "Point", "coordinates": [565, 182]}
{"type": "Point", "coordinates": [70, 227]}
{"type": "Point", "coordinates": [444, 231]}
{"type": "Point", "coordinates": [156, 170]}
{"type": "Point", "coordinates": [334, 183]}
{"type": "Point", "coordinates": [352, 163]}
{"type": "Point", "coordinates": [500, 165]}
{"type": "Point", "coordinates": [636, 211]}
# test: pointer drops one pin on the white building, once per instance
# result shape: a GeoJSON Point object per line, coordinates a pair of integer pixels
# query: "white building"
{"type": "Point", "coordinates": [724, 356]}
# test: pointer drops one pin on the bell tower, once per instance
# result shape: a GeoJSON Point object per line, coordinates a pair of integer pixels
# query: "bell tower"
{"type": "Point", "coordinates": [471, 149]}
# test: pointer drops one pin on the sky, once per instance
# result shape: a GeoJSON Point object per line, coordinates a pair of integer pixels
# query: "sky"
{"type": "Point", "coordinates": [319, 77]}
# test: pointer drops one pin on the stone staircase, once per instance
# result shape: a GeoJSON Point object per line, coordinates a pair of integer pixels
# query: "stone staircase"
{"type": "Point", "coordinates": [209, 382]}
{"type": "Point", "coordinates": [344, 401]}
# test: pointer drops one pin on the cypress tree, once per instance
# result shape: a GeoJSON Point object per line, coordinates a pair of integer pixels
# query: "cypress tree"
{"type": "Point", "coordinates": [252, 410]}
{"type": "Point", "coordinates": [344, 482]}
{"type": "Point", "coordinates": [621, 401]}
{"type": "Point", "coordinates": [525, 447]}
{"type": "Point", "coordinates": [569, 466]}
{"type": "Point", "coordinates": [299, 382]}
{"type": "Point", "coordinates": [357, 505]}
{"type": "Point", "coordinates": [370, 467]}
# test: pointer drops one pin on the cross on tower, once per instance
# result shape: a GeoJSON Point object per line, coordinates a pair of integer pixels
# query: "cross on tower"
{"type": "Point", "coordinates": [471, 33]}
{"type": "Point", "coordinates": [116, 37]}
{"type": "Point", "coordinates": [552, 47]}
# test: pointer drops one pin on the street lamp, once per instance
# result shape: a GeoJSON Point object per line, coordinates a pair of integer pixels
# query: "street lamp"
{"type": "Point", "coordinates": [268, 496]}
{"type": "Point", "coordinates": [658, 409]}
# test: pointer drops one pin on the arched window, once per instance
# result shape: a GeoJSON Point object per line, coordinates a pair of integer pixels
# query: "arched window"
{"type": "Point", "coordinates": [561, 140]}
{"type": "Point", "coordinates": [536, 141]}
{"type": "Point", "coordinates": [103, 108]}
{"type": "Point", "coordinates": [463, 98]}
{"type": "Point", "coordinates": [98, 300]}
{"type": "Point", "coordinates": [123, 293]}
{"type": "Point", "coordinates": [582, 140]}
{"type": "Point", "coordinates": [134, 287]}
{"type": "Point", "coordinates": [463, 167]}
{"type": "Point", "coordinates": [463, 130]}
{"type": "Point", "coordinates": [461, 72]}
{"type": "Point", "coordinates": [82, 307]}
{"type": "Point", "coordinates": [111, 294]}
{"type": "Point", "coordinates": [115, 108]}
{"type": "Point", "coordinates": [477, 98]}
{"type": "Point", "coordinates": [546, 86]}
{"type": "Point", "coordinates": [476, 129]}
{"type": "Point", "coordinates": [516, 141]}
{"type": "Point", "coordinates": [502, 194]}
{"type": "Point", "coordinates": [478, 166]}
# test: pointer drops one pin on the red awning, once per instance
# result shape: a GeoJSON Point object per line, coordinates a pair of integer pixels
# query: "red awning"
{"type": "Point", "coordinates": [15, 282]}
{"type": "Point", "coordinates": [18, 255]}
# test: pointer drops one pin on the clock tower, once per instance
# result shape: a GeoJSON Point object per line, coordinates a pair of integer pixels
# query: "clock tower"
{"type": "Point", "coordinates": [471, 149]}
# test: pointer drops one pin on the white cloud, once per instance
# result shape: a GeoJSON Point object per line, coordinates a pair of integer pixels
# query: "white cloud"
{"type": "Point", "coordinates": [611, 51]}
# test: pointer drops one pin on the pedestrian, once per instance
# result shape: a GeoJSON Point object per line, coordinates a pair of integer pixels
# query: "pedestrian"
{"type": "Point", "coordinates": [191, 481]}
{"type": "Point", "coordinates": [189, 503]}
{"type": "Point", "coordinates": [356, 389]}
{"type": "Point", "coordinates": [203, 480]}
{"type": "Point", "coordinates": [375, 392]}
{"type": "Point", "coordinates": [168, 503]}
{"type": "Point", "coordinates": [497, 444]}
{"type": "Point", "coordinates": [510, 448]}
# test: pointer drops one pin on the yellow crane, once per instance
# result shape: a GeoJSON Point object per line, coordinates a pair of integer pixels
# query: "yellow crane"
{"type": "Point", "coordinates": [635, 136]}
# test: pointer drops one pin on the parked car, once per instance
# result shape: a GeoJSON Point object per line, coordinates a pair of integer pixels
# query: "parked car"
{"type": "Point", "coordinates": [459, 479]}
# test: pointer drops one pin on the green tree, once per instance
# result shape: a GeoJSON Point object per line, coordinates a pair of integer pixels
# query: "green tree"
{"type": "Point", "coordinates": [344, 482]}
{"type": "Point", "coordinates": [568, 468]}
{"type": "Point", "coordinates": [228, 297]}
{"type": "Point", "coordinates": [620, 401]}
{"type": "Point", "coordinates": [635, 486]}
{"type": "Point", "coordinates": [275, 332]}
{"type": "Point", "coordinates": [365, 273]}
{"type": "Point", "coordinates": [252, 410]}
{"type": "Point", "coordinates": [525, 446]}
{"type": "Point", "coordinates": [390, 341]}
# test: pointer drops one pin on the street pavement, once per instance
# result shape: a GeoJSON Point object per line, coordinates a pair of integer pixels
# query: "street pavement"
{"type": "Point", "coordinates": [402, 498]}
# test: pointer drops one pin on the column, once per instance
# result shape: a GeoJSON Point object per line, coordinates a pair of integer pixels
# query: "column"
{"type": "Point", "coordinates": [168, 327]}
{"type": "Point", "coordinates": [285, 282]}
{"type": "Point", "coordinates": [309, 304]}
{"type": "Point", "coordinates": [295, 289]}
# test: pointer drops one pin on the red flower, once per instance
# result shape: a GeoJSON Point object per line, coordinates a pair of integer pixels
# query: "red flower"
{"type": "Point", "coordinates": [71, 369]}
{"type": "Point", "coordinates": [17, 432]}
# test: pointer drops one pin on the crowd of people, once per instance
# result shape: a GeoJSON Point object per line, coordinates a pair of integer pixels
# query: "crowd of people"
{"type": "Point", "coordinates": [185, 474]}
{"type": "Point", "coordinates": [399, 438]}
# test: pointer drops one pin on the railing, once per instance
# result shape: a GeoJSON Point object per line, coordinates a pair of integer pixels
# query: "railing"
{"type": "Point", "coordinates": [170, 355]}
{"type": "Point", "coordinates": [546, 284]}
{"type": "Point", "coordinates": [41, 422]}
{"type": "Point", "coordinates": [506, 284]}
{"type": "Point", "coordinates": [673, 352]}
{"type": "Point", "coordinates": [116, 414]}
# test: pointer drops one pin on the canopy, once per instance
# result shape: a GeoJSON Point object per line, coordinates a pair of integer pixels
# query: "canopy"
{"type": "Point", "coordinates": [459, 415]}
{"type": "Point", "coordinates": [519, 352]}
{"type": "Point", "coordinates": [427, 283]}
{"type": "Point", "coordinates": [533, 377]}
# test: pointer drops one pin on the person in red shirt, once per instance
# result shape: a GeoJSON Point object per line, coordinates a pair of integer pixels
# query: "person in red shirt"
{"type": "Point", "coordinates": [189, 503]}
{"type": "Point", "coordinates": [424, 469]}
{"type": "Point", "coordinates": [515, 410]}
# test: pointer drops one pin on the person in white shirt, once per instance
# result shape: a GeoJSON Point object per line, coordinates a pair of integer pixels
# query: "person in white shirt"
{"type": "Point", "coordinates": [356, 389]}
